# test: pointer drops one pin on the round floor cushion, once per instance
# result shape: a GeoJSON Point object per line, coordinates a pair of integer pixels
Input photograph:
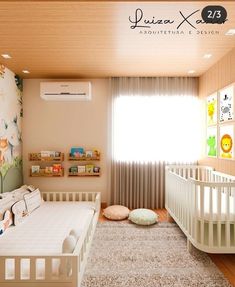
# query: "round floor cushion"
{"type": "Point", "coordinates": [116, 212]}
{"type": "Point", "coordinates": [143, 216]}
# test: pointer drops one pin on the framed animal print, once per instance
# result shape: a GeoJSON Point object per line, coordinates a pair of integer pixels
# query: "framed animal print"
{"type": "Point", "coordinates": [211, 142]}
{"type": "Point", "coordinates": [226, 142]}
{"type": "Point", "coordinates": [211, 108]}
{"type": "Point", "coordinates": [226, 107]}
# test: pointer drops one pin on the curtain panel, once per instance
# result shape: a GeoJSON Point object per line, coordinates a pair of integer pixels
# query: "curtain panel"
{"type": "Point", "coordinates": [163, 86]}
{"type": "Point", "coordinates": [138, 185]}
{"type": "Point", "coordinates": [141, 184]}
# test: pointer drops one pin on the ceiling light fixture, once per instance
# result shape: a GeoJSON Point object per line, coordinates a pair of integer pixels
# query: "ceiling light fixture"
{"type": "Point", "coordinates": [191, 72]}
{"type": "Point", "coordinates": [26, 71]}
{"type": "Point", "coordinates": [207, 56]}
{"type": "Point", "coordinates": [6, 56]}
{"type": "Point", "coordinates": [230, 32]}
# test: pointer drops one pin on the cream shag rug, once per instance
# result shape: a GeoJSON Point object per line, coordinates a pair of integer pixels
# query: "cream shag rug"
{"type": "Point", "coordinates": [127, 255]}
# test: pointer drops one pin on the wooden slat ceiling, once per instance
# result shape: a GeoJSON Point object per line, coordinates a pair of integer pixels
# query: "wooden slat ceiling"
{"type": "Point", "coordinates": [74, 39]}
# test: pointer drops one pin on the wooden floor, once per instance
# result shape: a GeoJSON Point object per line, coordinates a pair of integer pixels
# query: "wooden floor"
{"type": "Point", "coordinates": [225, 262]}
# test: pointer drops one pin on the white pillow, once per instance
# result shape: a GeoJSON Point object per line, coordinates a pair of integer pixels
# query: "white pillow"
{"type": "Point", "coordinates": [6, 194]}
{"type": "Point", "coordinates": [33, 200]}
{"type": "Point", "coordinates": [76, 233]}
{"type": "Point", "coordinates": [69, 244]}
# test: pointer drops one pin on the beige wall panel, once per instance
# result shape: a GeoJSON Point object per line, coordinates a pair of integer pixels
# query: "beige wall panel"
{"type": "Point", "coordinates": [61, 125]}
{"type": "Point", "coordinates": [233, 66]}
{"type": "Point", "coordinates": [224, 71]}
{"type": "Point", "coordinates": [217, 77]}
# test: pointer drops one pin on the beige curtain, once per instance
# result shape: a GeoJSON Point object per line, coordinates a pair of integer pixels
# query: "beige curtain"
{"type": "Point", "coordinates": [138, 185]}
{"type": "Point", "coordinates": [141, 184]}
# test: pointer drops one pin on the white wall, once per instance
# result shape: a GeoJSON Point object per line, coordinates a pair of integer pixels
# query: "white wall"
{"type": "Point", "coordinates": [62, 125]}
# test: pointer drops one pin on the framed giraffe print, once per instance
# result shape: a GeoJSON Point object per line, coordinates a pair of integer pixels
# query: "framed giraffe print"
{"type": "Point", "coordinates": [226, 104]}
{"type": "Point", "coordinates": [211, 107]}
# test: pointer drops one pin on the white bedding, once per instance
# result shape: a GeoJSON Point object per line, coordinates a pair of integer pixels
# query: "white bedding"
{"type": "Point", "coordinates": [45, 229]}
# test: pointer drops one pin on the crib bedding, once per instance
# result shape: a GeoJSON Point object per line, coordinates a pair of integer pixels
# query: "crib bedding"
{"type": "Point", "coordinates": [215, 205]}
{"type": "Point", "coordinates": [45, 229]}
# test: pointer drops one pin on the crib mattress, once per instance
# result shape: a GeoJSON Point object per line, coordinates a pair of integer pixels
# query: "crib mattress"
{"type": "Point", "coordinates": [44, 230]}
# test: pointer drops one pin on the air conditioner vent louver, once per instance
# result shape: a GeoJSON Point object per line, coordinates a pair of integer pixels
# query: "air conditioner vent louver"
{"type": "Point", "coordinates": [65, 91]}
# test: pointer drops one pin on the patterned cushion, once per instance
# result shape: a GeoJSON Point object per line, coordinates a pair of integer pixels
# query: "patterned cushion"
{"type": "Point", "coordinates": [20, 211]}
{"type": "Point", "coordinates": [33, 200]}
{"type": "Point", "coordinates": [19, 193]}
{"type": "Point", "coordinates": [116, 212]}
{"type": "Point", "coordinates": [143, 216]}
{"type": "Point", "coordinates": [6, 204]}
{"type": "Point", "coordinates": [6, 222]}
{"type": "Point", "coordinates": [16, 194]}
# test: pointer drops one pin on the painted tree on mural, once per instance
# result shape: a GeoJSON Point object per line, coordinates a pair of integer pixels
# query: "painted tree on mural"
{"type": "Point", "coordinates": [11, 113]}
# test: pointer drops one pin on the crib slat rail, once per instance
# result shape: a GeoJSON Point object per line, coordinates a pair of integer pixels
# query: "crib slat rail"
{"type": "Point", "coordinates": [64, 270]}
{"type": "Point", "coordinates": [15, 273]}
{"type": "Point", "coordinates": [202, 202]}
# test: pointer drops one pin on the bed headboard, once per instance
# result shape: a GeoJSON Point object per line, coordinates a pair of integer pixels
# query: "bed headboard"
{"type": "Point", "coordinates": [11, 180]}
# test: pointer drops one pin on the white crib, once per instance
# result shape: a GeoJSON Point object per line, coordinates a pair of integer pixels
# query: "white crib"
{"type": "Point", "coordinates": [202, 202]}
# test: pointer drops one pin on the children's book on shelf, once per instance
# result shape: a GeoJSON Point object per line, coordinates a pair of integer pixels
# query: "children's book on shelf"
{"type": "Point", "coordinates": [96, 152]}
{"type": "Point", "coordinates": [96, 169]}
{"type": "Point", "coordinates": [77, 152]}
{"type": "Point", "coordinates": [73, 169]}
{"type": "Point", "coordinates": [51, 153]}
{"type": "Point", "coordinates": [35, 168]}
{"type": "Point", "coordinates": [56, 168]}
{"type": "Point", "coordinates": [89, 153]}
{"type": "Point", "coordinates": [81, 168]}
{"type": "Point", "coordinates": [89, 168]}
{"type": "Point", "coordinates": [48, 169]}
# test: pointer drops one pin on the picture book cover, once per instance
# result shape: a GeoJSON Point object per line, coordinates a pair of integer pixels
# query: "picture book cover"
{"type": "Point", "coordinates": [89, 168]}
{"type": "Point", "coordinates": [77, 151]}
{"type": "Point", "coordinates": [81, 169]}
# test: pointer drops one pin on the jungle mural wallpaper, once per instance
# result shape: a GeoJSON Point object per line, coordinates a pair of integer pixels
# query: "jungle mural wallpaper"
{"type": "Point", "coordinates": [10, 120]}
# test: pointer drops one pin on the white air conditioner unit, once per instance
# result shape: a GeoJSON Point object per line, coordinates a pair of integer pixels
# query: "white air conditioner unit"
{"type": "Point", "coordinates": [65, 91]}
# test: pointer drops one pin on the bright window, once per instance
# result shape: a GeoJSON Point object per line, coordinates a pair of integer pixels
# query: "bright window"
{"type": "Point", "coordinates": [157, 128]}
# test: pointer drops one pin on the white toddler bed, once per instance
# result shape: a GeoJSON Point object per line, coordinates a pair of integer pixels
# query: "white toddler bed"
{"type": "Point", "coordinates": [202, 202]}
{"type": "Point", "coordinates": [31, 253]}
